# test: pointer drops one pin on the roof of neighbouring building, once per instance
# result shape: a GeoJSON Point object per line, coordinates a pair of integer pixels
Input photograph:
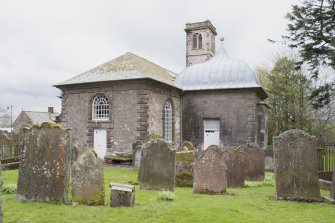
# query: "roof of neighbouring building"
{"type": "Point", "coordinates": [219, 72]}
{"type": "Point", "coordinates": [40, 117]}
{"type": "Point", "coordinates": [126, 67]}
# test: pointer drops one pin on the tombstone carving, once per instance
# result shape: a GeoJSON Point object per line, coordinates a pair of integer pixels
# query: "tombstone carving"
{"type": "Point", "coordinates": [210, 172]}
{"type": "Point", "coordinates": [236, 167]}
{"type": "Point", "coordinates": [45, 163]}
{"type": "Point", "coordinates": [88, 179]}
{"type": "Point", "coordinates": [158, 166]}
{"type": "Point", "coordinates": [296, 166]}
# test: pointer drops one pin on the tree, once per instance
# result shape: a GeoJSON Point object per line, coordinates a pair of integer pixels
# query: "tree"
{"type": "Point", "coordinates": [287, 89]}
{"type": "Point", "coordinates": [4, 118]}
{"type": "Point", "coordinates": [311, 29]}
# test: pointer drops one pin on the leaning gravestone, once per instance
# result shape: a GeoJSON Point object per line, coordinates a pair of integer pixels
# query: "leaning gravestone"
{"type": "Point", "coordinates": [296, 166]}
{"type": "Point", "coordinates": [157, 170]}
{"type": "Point", "coordinates": [45, 163]}
{"type": "Point", "coordinates": [236, 167]}
{"type": "Point", "coordinates": [88, 180]}
{"type": "Point", "coordinates": [210, 172]}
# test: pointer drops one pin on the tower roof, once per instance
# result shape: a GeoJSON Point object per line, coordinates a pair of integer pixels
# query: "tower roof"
{"type": "Point", "coordinates": [220, 72]}
{"type": "Point", "coordinates": [125, 67]}
{"type": "Point", "coordinates": [200, 25]}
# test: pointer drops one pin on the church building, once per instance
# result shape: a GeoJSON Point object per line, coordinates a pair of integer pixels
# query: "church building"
{"type": "Point", "coordinates": [214, 100]}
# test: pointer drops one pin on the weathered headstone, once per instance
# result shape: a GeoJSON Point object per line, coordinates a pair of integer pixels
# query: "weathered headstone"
{"type": "Point", "coordinates": [255, 162]}
{"type": "Point", "coordinates": [158, 166]}
{"type": "Point", "coordinates": [88, 179]}
{"type": "Point", "coordinates": [185, 168]}
{"type": "Point", "coordinates": [210, 172]}
{"type": "Point", "coordinates": [137, 151]}
{"type": "Point", "coordinates": [296, 166]}
{"type": "Point", "coordinates": [122, 195]}
{"type": "Point", "coordinates": [45, 163]}
{"type": "Point", "coordinates": [236, 167]}
{"type": "Point", "coordinates": [187, 146]}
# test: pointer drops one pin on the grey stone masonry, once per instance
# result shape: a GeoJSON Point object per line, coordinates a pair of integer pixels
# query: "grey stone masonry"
{"type": "Point", "coordinates": [122, 195]}
{"type": "Point", "coordinates": [158, 166]}
{"type": "Point", "coordinates": [210, 172]}
{"type": "Point", "coordinates": [88, 180]}
{"type": "Point", "coordinates": [296, 169]}
{"type": "Point", "coordinates": [45, 163]}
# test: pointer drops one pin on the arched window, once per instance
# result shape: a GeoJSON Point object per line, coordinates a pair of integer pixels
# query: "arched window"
{"type": "Point", "coordinates": [168, 121]}
{"type": "Point", "coordinates": [199, 41]}
{"type": "Point", "coordinates": [195, 41]}
{"type": "Point", "coordinates": [100, 108]}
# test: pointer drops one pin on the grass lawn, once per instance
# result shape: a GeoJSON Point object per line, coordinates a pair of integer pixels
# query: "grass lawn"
{"type": "Point", "coordinates": [250, 204]}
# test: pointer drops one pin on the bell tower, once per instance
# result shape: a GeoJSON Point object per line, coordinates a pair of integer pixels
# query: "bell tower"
{"type": "Point", "coordinates": [200, 42]}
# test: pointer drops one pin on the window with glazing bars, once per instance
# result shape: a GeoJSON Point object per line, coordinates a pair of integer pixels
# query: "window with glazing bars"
{"type": "Point", "coordinates": [168, 121]}
{"type": "Point", "coordinates": [100, 108]}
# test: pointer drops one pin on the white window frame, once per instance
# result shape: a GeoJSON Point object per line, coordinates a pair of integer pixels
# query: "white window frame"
{"type": "Point", "coordinates": [100, 108]}
{"type": "Point", "coordinates": [168, 122]}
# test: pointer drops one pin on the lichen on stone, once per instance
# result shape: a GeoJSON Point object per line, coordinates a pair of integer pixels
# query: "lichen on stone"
{"type": "Point", "coordinates": [185, 156]}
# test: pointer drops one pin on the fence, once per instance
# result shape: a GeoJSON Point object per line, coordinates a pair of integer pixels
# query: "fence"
{"type": "Point", "coordinates": [326, 161]}
{"type": "Point", "coordinates": [9, 153]}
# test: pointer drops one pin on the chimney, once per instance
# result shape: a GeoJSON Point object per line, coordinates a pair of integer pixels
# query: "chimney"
{"type": "Point", "coordinates": [51, 110]}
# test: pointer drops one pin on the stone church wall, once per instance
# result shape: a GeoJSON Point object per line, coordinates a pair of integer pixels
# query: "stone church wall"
{"type": "Point", "coordinates": [133, 112]}
{"type": "Point", "coordinates": [236, 110]}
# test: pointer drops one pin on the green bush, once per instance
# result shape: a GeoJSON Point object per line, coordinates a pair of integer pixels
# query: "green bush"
{"type": "Point", "coordinates": [9, 189]}
{"type": "Point", "coordinates": [184, 179]}
{"type": "Point", "coordinates": [166, 195]}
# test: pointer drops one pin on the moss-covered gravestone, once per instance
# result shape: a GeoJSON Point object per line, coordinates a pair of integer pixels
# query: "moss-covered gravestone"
{"type": "Point", "coordinates": [158, 166]}
{"type": "Point", "coordinates": [210, 172]}
{"type": "Point", "coordinates": [88, 180]}
{"type": "Point", "coordinates": [185, 168]}
{"type": "Point", "coordinates": [45, 163]}
{"type": "Point", "coordinates": [296, 168]}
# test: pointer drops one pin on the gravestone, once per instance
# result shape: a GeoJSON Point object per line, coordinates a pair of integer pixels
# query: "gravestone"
{"type": "Point", "coordinates": [88, 179]}
{"type": "Point", "coordinates": [255, 162]}
{"type": "Point", "coordinates": [210, 172]}
{"type": "Point", "coordinates": [45, 163]}
{"type": "Point", "coordinates": [296, 167]}
{"type": "Point", "coordinates": [137, 151]}
{"type": "Point", "coordinates": [187, 146]}
{"type": "Point", "coordinates": [158, 166]}
{"type": "Point", "coordinates": [236, 167]}
{"type": "Point", "coordinates": [185, 168]}
{"type": "Point", "coordinates": [122, 195]}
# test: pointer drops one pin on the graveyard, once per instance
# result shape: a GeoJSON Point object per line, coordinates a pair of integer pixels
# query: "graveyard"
{"type": "Point", "coordinates": [253, 203]}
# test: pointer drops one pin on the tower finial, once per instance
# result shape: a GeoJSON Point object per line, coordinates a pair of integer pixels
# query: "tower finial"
{"type": "Point", "coordinates": [222, 39]}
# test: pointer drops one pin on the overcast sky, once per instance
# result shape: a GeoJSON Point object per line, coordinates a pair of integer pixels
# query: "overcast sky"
{"type": "Point", "coordinates": [43, 43]}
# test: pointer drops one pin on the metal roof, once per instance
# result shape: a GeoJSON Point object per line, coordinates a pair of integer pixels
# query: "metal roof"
{"type": "Point", "coordinates": [126, 67]}
{"type": "Point", "coordinates": [219, 72]}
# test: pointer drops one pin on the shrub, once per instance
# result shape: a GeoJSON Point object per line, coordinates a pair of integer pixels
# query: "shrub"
{"type": "Point", "coordinates": [9, 189]}
{"type": "Point", "coordinates": [166, 195]}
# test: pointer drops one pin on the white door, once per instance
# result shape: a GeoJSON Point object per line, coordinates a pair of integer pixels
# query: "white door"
{"type": "Point", "coordinates": [211, 132]}
{"type": "Point", "coordinates": [100, 142]}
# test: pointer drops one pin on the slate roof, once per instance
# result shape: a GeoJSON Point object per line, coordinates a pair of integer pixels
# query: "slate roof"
{"type": "Point", "coordinates": [126, 67]}
{"type": "Point", "coordinates": [219, 72]}
{"type": "Point", "coordinates": [39, 117]}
